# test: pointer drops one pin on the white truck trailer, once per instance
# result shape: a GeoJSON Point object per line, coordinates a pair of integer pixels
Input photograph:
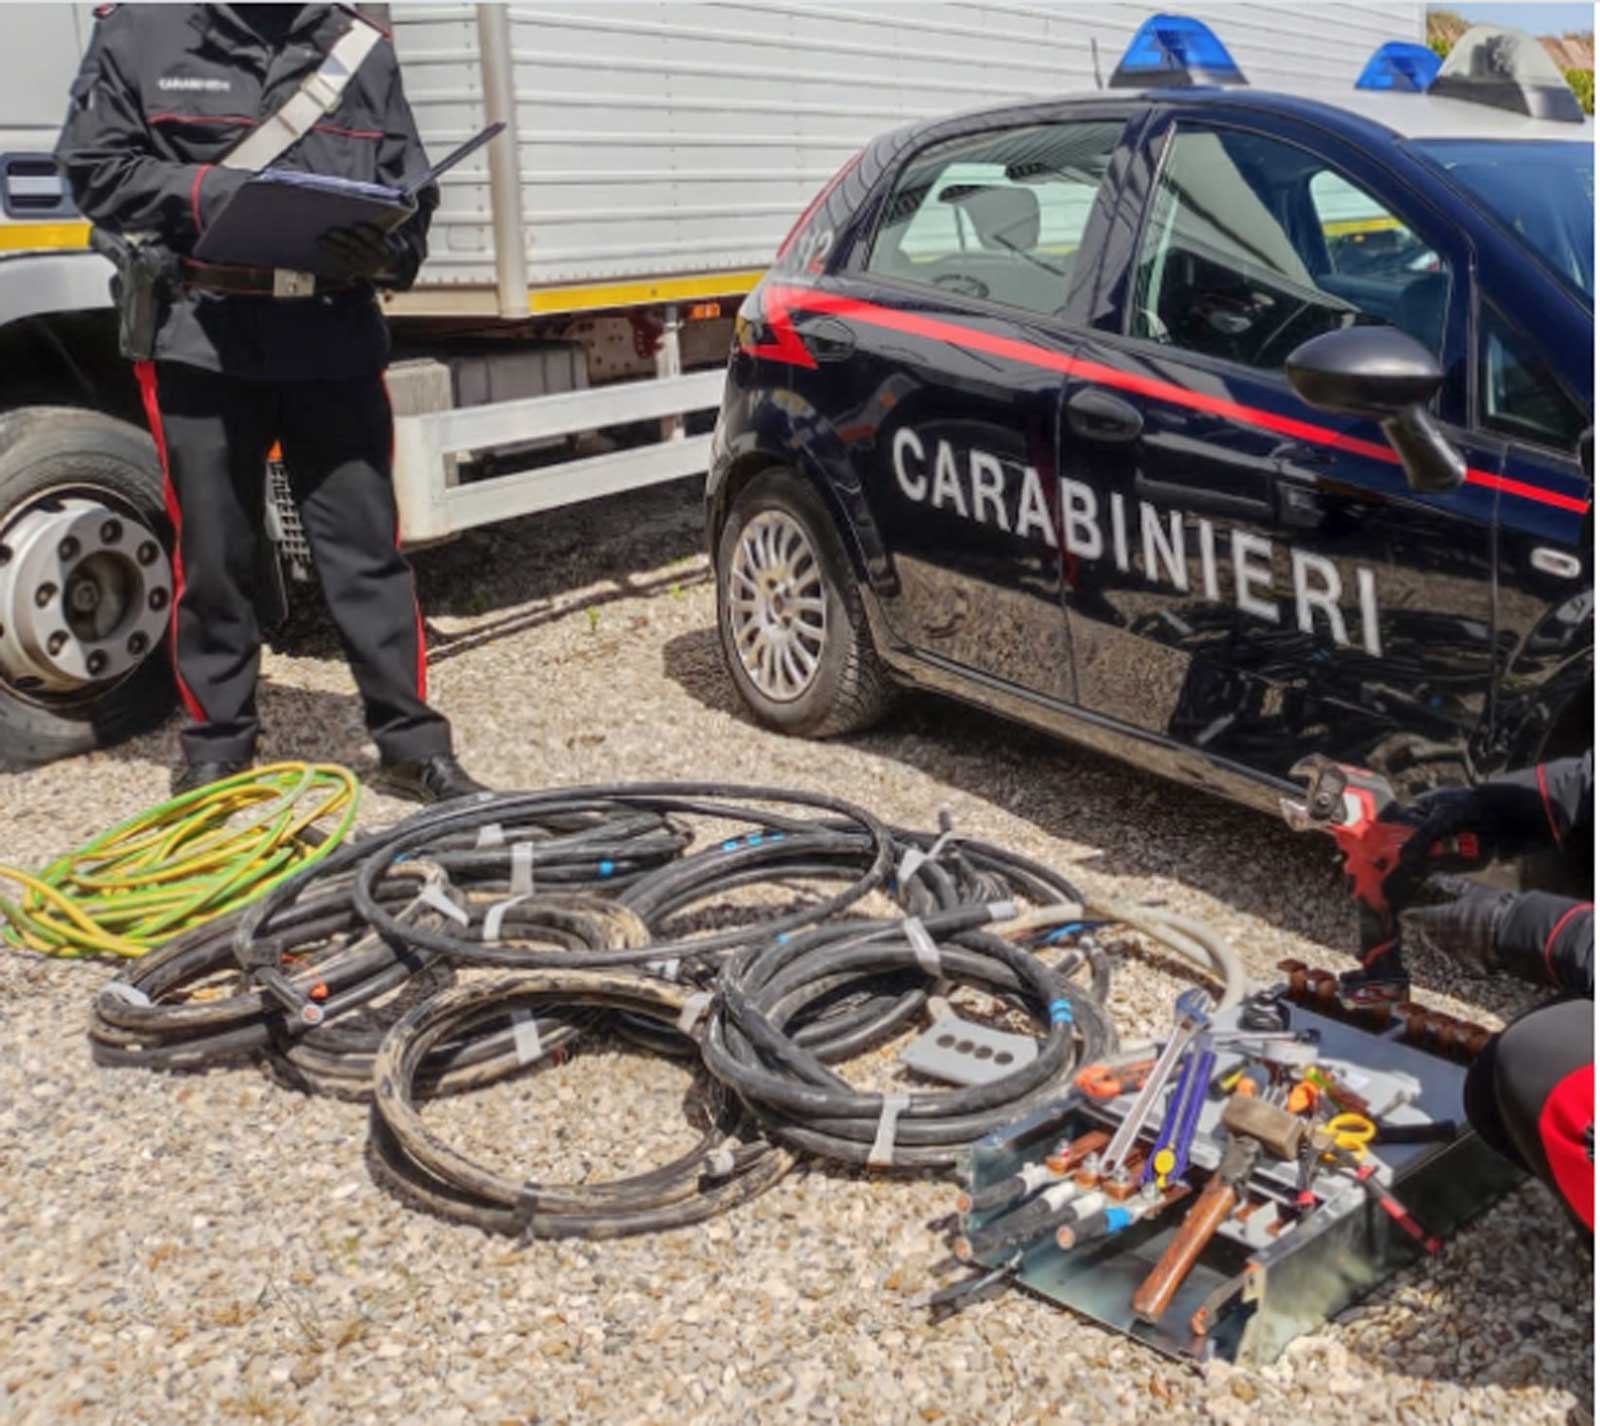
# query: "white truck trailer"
{"type": "Point", "coordinates": [567, 335]}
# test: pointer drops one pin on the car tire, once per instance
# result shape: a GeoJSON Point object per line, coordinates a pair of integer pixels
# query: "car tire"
{"type": "Point", "coordinates": [61, 458]}
{"type": "Point", "coordinates": [798, 647]}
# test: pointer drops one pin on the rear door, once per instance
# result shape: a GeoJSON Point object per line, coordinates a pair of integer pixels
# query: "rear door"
{"type": "Point", "coordinates": [940, 351]}
{"type": "Point", "coordinates": [1246, 576]}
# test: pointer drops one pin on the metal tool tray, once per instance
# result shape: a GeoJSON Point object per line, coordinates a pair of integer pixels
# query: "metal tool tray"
{"type": "Point", "coordinates": [1306, 1273]}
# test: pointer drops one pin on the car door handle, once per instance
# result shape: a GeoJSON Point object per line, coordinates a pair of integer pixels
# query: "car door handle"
{"type": "Point", "coordinates": [828, 339]}
{"type": "Point", "coordinates": [1302, 460]}
{"type": "Point", "coordinates": [1097, 415]}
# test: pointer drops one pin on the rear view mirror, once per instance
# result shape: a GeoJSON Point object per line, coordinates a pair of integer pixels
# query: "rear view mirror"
{"type": "Point", "coordinates": [1388, 377]}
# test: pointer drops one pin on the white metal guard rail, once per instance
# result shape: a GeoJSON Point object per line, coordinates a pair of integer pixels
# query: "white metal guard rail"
{"type": "Point", "coordinates": [430, 509]}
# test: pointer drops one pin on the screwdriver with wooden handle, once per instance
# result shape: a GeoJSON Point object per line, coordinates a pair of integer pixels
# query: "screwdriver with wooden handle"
{"type": "Point", "coordinates": [1208, 1213]}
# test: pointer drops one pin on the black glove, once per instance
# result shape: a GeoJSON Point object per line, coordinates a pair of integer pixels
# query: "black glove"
{"type": "Point", "coordinates": [1465, 926]}
{"type": "Point", "coordinates": [1444, 812]}
{"type": "Point", "coordinates": [362, 251]}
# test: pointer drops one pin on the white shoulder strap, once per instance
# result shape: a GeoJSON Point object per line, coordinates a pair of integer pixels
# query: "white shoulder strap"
{"type": "Point", "coordinates": [318, 95]}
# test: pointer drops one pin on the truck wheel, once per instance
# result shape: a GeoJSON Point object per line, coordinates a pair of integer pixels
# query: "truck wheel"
{"type": "Point", "coordinates": [794, 633]}
{"type": "Point", "coordinates": [86, 585]}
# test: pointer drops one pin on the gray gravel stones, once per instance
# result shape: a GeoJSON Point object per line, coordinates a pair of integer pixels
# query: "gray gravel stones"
{"type": "Point", "coordinates": [212, 1249]}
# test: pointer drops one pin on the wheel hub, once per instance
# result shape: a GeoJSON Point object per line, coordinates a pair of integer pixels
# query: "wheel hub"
{"type": "Point", "coordinates": [777, 606]}
{"type": "Point", "coordinates": [84, 595]}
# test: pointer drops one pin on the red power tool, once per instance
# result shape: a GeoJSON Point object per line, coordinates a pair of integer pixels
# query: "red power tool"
{"type": "Point", "coordinates": [1359, 810]}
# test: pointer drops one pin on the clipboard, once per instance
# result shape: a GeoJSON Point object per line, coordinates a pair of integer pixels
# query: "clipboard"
{"type": "Point", "coordinates": [278, 218]}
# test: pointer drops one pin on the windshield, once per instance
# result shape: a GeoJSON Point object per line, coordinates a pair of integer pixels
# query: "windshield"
{"type": "Point", "coordinates": [1543, 189]}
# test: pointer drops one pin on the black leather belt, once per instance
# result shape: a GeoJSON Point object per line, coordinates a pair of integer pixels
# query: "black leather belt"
{"type": "Point", "coordinates": [282, 283]}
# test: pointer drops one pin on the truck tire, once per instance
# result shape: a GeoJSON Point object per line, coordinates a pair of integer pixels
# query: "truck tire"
{"type": "Point", "coordinates": [794, 633]}
{"type": "Point", "coordinates": [86, 584]}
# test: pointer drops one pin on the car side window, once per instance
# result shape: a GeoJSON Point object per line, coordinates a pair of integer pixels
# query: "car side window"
{"type": "Point", "coordinates": [1252, 245]}
{"type": "Point", "coordinates": [1518, 393]}
{"type": "Point", "coordinates": [997, 216]}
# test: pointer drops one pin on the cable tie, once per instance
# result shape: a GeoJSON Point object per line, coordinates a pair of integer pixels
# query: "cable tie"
{"type": "Point", "coordinates": [909, 863]}
{"type": "Point", "coordinates": [924, 945]}
{"type": "Point", "coordinates": [882, 1154]}
{"type": "Point", "coordinates": [434, 896]}
{"type": "Point", "coordinates": [666, 970]}
{"type": "Point", "coordinates": [491, 834]}
{"type": "Point", "coordinates": [720, 1163]}
{"type": "Point", "coordinates": [522, 869]}
{"type": "Point", "coordinates": [496, 914]}
{"type": "Point", "coordinates": [694, 1007]}
{"type": "Point", "coordinates": [126, 993]}
{"type": "Point", "coordinates": [525, 1034]}
{"type": "Point", "coordinates": [1061, 1012]}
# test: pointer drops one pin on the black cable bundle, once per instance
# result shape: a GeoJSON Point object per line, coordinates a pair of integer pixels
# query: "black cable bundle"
{"type": "Point", "coordinates": [756, 1043]}
{"type": "Point", "coordinates": [727, 1167]}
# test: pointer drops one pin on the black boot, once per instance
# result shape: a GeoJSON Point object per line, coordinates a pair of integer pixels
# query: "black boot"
{"type": "Point", "coordinates": [186, 777]}
{"type": "Point", "coordinates": [437, 779]}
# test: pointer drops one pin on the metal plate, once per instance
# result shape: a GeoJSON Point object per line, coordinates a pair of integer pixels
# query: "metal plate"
{"type": "Point", "coordinates": [958, 1052]}
{"type": "Point", "coordinates": [1308, 1273]}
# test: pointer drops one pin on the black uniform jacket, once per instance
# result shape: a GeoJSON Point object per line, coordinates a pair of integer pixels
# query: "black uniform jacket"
{"type": "Point", "coordinates": [164, 92]}
{"type": "Point", "coordinates": [1548, 938]}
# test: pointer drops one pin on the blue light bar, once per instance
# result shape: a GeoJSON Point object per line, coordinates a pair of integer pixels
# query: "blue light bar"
{"type": "Point", "coordinates": [1175, 50]}
{"type": "Point", "coordinates": [1400, 68]}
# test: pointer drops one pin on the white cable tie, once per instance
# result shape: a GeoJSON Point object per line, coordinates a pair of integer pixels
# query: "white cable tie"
{"type": "Point", "coordinates": [720, 1163]}
{"type": "Point", "coordinates": [525, 1033]}
{"type": "Point", "coordinates": [128, 994]}
{"type": "Point", "coordinates": [434, 896]}
{"type": "Point", "coordinates": [924, 945]}
{"type": "Point", "coordinates": [882, 1155]}
{"type": "Point", "coordinates": [496, 914]}
{"type": "Point", "coordinates": [522, 869]}
{"type": "Point", "coordinates": [693, 1008]}
{"type": "Point", "coordinates": [909, 863]}
{"type": "Point", "coordinates": [491, 834]}
{"type": "Point", "coordinates": [665, 970]}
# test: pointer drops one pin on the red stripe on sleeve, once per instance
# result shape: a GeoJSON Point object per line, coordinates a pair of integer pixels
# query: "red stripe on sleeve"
{"type": "Point", "coordinates": [1582, 908]}
{"type": "Point", "coordinates": [1549, 811]}
{"type": "Point", "coordinates": [194, 195]}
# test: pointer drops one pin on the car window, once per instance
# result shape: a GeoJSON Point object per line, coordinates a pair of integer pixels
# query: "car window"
{"type": "Point", "coordinates": [997, 216]}
{"type": "Point", "coordinates": [1252, 246]}
{"type": "Point", "coordinates": [1517, 391]}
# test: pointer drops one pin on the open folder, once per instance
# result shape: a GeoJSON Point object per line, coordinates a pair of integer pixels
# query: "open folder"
{"type": "Point", "coordinates": [278, 218]}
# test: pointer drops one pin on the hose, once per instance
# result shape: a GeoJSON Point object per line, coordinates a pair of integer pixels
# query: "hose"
{"type": "Point", "coordinates": [182, 864]}
{"type": "Point", "coordinates": [727, 1167]}
{"type": "Point", "coordinates": [764, 996]}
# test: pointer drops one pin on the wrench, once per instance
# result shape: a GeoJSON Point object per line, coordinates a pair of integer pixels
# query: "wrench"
{"type": "Point", "coordinates": [1193, 1016]}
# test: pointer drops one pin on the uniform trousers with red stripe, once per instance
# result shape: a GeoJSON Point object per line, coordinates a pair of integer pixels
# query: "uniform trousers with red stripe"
{"type": "Point", "coordinates": [1530, 1096]}
{"type": "Point", "coordinates": [214, 433]}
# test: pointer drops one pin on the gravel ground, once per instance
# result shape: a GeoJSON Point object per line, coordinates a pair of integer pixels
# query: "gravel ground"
{"type": "Point", "coordinates": [211, 1248]}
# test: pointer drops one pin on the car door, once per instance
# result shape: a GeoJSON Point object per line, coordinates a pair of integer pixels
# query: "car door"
{"type": "Point", "coordinates": [1245, 576]}
{"type": "Point", "coordinates": [940, 346]}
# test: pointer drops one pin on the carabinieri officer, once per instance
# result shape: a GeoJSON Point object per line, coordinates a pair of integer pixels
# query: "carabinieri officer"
{"type": "Point", "coordinates": [174, 108]}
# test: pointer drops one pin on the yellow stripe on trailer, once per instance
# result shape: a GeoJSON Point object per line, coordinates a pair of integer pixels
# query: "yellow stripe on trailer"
{"type": "Point", "coordinates": [547, 300]}
{"type": "Point", "coordinates": [33, 237]}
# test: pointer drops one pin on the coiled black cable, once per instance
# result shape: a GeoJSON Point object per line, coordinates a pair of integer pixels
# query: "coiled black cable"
{"type": "Point", "coordinates": [764, 994]}
{"type": "Point", "coordinates": [728, 1166]}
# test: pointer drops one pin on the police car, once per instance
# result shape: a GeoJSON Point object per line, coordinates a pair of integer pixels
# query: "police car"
{"type": "Point", "coordinates": [1205, 425]}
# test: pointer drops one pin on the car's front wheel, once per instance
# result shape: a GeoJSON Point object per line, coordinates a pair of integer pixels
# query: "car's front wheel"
{"type": "Point", "coordinates": [793, 629]}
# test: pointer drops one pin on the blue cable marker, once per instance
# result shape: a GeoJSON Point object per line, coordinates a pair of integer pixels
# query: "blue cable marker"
{"type": "Point", "coordinates": [1061, 1012]}
{"type": "Point", "coordinates": [731, 845]}
{"type": "Point", "coordinates": [1117, 1219]}
{"type": "Point", "coordinates": [606, 868]}
{"type": "Point", "coordinates": [754, 839]}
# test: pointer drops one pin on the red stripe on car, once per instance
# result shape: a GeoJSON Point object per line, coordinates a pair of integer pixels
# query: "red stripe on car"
{"type": "Point", "coordinates": [778, 301]}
